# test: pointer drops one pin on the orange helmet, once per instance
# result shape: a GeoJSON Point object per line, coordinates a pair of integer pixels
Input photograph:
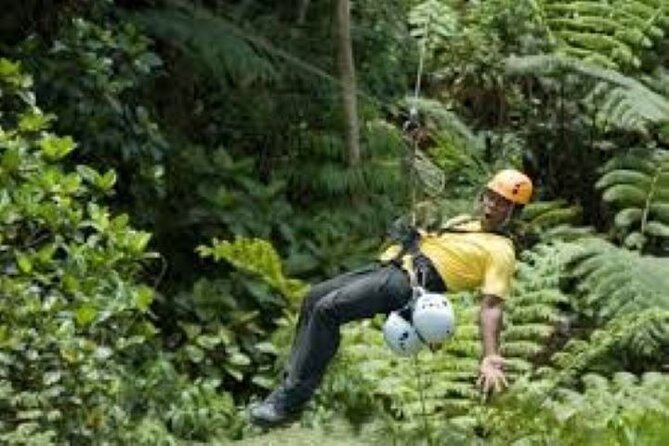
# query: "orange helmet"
{"type": "Point", "coordinates": [513, 185]}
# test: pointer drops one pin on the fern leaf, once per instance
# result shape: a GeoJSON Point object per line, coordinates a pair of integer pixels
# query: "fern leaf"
{"type": "Point", "coordinates": [210, 41]}
{"type": "Point", "coordinates": [620, 101]}
{"type": "Point", "coordinates": [640, 195]}
{"type": "Point", "coordinates": [613, 34]}
{"type": "Point", "coordinates": [610, 277]}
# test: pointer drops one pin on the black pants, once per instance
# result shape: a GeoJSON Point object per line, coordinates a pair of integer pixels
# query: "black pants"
{"type": "Point", "coordinates": [351, 296]}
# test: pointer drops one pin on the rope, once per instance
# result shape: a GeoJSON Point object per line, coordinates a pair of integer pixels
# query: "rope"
{"type": "Point", "coordinates": [412, 125]}
{"type": "Point", "coordinates": [419, 73]}
{"type": "Point", "coordinates": [421, 396]}
{"type": "Point", "coordinates": [420, 166]}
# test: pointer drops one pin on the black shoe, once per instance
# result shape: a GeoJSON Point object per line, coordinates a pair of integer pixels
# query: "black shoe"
{"type": "Point", "coordinates": [271, 414]}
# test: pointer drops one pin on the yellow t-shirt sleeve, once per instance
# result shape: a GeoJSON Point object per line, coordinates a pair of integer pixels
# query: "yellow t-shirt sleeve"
{"type": "Point", "coordinates": [389, 253]}
{"type": "Point", "coordinates": [499, 272]}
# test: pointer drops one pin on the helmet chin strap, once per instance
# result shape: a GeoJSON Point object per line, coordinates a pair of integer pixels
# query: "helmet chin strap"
{"type": "Point", "coordinates": [508, 216]}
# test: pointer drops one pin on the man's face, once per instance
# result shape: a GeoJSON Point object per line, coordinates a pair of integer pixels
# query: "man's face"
{"type": "Point", "coordinates": [496, 210]}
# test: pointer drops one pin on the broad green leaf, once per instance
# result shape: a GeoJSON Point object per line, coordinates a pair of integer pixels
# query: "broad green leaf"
{"type": "Point", "coordinates": [657, 229]}
{"type": "Point", "coordinates": [55, 148]}
{"type": "Point", "coordinates": [25, 265]}
{"type": "Point", "coordinates": [143, 297]}
{"type": "Point", "coordinates": [194, 353]}
{"type": "Point", "coordinates": [106, 181]}
{"type": "Point", "coordinates": [51, 377]}
{"type": "Point", "coordinates": [139, 242]}
{"type": "Point", "coordinates": [11, 160]}
{"type": "Point", "coordinates": [239, 359]}
{"type": "Point", "coordinates": [234, 372]}
{"type": "Point", "coordinates": [85, 314]}
{"type": "Point", "coordinates": [267, 347]}
{"type": "Point", "coordinates": [628, 216]}
{"type": "Point", "coordinates": [70, 283]}
{"type": "Point", "coordinates": [88, 174]}
{"type": "Point", "coordinates": [34, 120]}
{"type": "Point", "coordinates": [263, 381]}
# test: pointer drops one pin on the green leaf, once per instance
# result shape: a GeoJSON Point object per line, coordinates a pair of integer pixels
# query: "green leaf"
{"type": "Point", "coordinates": [208, 342]}
{"type": "Point", "coordinates": [55, 148]}
{"type": "Point", "coordinates": [9, 69]}
{"type": "Point", "coordinates": [34, 120]}
{"type": "Point", "coordinates": [234, 372]}
{"type": "Point", "coordinates": [239, 359]}
{"type": "Point", "coordinates": [106, 181]}
{"type": "Point", "coordinates": [11, 160]}
{"type": "Point", "coordinates": [191, 330]}
{"type": "Point", "coordinates": [657, 229]}
{"type": "Point", "coordinates": [263, 381]}
{"type": "Point", "coordinates": [70, 283]}
{"type": "Point", "coordinates": [25, 265]}
{"type": "Point", "coordinates": [625, 195]}
{"type": "Point", "coordinates": [623, 176]}
{"type": "Point", "coordinates": [88, 174]}
{"type": "Point", "coordinates": [85, 314]}
{"type": "Point", "coordinates": [51, 377]}
{"type": "Point", "coordinates": [628, 216]}
{"type": "Point", "coordinates": [139, 242]}
{"type": "Point", "coordinates": [143, 297]}
{"type": "Point", "coordinates": [194, 353]}
{"type": "Point", "coordinates": [267, 347]}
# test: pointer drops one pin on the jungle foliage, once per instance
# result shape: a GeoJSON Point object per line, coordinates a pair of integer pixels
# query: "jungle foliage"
{"type": "Point", "coordinates": [174, 174]}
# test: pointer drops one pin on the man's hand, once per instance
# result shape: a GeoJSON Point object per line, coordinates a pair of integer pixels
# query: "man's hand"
{"type": "Point", "coordinates": [491, 374]}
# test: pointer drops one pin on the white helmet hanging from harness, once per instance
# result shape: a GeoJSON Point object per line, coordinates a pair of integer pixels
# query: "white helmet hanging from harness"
{"type": "Point", "coordinates": [401, 336]}
{"type": "Point", "coordinates": [433, 317]}
{"type": "Point", "coordinates": [432, 321]}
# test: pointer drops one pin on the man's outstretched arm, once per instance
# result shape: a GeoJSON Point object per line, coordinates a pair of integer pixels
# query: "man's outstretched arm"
{"type": "Point", "coordinates": [491, 373]}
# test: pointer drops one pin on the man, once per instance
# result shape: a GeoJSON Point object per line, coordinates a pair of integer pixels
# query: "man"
{"type": "Point", "coordinates": [470, 255]}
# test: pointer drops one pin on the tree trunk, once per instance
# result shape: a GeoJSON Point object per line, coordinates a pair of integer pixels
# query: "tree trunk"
{"type": "Point", "coordinates": [347, 78]}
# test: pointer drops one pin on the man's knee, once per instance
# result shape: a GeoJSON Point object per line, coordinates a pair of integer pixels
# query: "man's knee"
{"type": "Point", "coordinates": [326, 309]}
{"type": "Point", "coordinates": [310, 301]}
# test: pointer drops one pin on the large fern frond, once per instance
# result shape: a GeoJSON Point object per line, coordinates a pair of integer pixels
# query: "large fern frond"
{"type": "Point", "coordinates": [432, 22]}
{"type": "Point", "coordinates": [613, 281]}
{"type": "Point", "coordinates": [211, 41]}
{"type": "Point", "coordinates": [622, 410]}
{"type": "Point", "coordinates": [613, 34]}
{"type": "Point", "coordinates": [637, 185]}
{"type": "Point", "coordinates": [632, 341]}
{"type": "Point", "coordinates": [620, 101]}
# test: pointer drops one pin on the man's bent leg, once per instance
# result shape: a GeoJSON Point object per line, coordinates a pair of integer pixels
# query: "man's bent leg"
{"type": "Point", "coordinates": [380, 291]}
{"type": "Point", "coordinates": [315, 294]}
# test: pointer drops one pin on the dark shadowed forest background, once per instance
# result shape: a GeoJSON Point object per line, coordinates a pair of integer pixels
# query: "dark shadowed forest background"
{"type": "Point", "coordinates": [174, 174]}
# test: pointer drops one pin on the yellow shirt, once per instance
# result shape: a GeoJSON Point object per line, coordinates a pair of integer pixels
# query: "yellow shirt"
{"type": "Point", "coordinates": [467, 260]}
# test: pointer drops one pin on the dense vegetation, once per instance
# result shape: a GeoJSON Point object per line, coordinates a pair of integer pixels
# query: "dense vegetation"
{"type": "Point", "coordinates": [174, 174]}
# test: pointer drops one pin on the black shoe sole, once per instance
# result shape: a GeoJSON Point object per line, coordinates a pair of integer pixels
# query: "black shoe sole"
{"type": "Point", "coordinates": [267, 424]}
